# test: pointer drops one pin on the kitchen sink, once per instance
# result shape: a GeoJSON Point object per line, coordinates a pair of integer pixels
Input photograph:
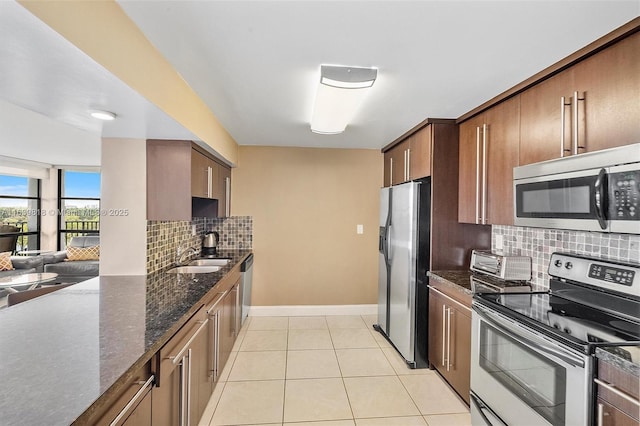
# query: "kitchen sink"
{"type": "Point", "coordinates": [193, 269]}
{"type": "Point", "coordinates": [209, 262]}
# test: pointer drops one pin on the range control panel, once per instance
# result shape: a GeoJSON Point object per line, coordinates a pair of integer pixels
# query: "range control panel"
{"type": "Point", "coordinates": [602, 273]}
{"type": "Point", "coordinates": [611, 274]}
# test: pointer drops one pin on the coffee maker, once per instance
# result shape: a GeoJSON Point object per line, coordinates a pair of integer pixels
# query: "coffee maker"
{"type": "Point", "coordinates": [210, 243]}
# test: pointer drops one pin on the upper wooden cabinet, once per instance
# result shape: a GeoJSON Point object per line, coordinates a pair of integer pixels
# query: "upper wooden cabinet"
{"type": "Point", "coordinates": [489, 145]}
{"type": "Point", "coordinates": [409, 159]}
{"type": "Point", "coordinates": [592, 105]}
{"type": "Point", "coordinates": [176, 172]}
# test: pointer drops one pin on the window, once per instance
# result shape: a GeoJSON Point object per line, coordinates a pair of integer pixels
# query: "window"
{"type": "Point", "coordinates": [20, 208]}
{"type": "Point", "coordinates": [79, 205]}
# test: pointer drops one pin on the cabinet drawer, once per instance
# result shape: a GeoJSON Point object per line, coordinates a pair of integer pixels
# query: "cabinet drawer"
{"type": "Point", "coordinates": [168, 358]}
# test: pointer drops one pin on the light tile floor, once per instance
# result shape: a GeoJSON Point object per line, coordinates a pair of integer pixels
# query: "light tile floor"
{"type": "Point", "coordinates": [326, 371]}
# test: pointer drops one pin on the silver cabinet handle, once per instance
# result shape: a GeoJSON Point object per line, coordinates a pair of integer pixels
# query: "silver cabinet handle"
{"type": "Point", "coordinates": [600, 414]}
{"type": "Point", "coordinates": [227, 189]}
{"type": "Point", "coordinates": [175, 359]}
{"type": "Point", "coordinates": [216, 351]}
{"type": "Point", "coordinates": [189, 360]}
{"type": "Point", "coordinates": [133, 400]}
{"type": "Point", "coordinates": [183, 391]}
{"type": "Point", "coordinates": [211, 308]}
{"type": "Point", "coordinates": [444, 332]}
{"type": "Point", "coordinates": [448, 339]}
{"type": "Point", "coordinates": [405, 164]}
{"type": "Point", "coordinates": [611, 388]}
{"type": "Point", "coordinates": [390, 171]}
{"type": "Point", "coordinates": [563, 105]}
{"type": "Point", "coordinates": [484, 174]}
{"type": "Point", "coordinates": [477, 175]}
{"type": "Point", "coordinates": [576, 144]}
{"type": "Point", "coordinates": [209, 179]}
{"type": "Point", "coordinates": [409, 164]}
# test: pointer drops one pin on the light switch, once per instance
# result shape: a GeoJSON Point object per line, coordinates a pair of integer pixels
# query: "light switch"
{"type": "Point", "coordinates": [499, 242]}
{"type": "Point", "coordinates": [360, 229]}
{"type": "Point", "coordinates": [193, 230]}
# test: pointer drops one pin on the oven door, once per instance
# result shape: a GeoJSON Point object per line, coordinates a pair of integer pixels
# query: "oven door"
{"type": "Point", "coordinates": [573, 200]}
{"type": "Point", "coordinates": [523, 377]}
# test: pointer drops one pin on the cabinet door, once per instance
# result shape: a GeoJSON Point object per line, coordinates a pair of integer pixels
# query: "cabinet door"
{"type": "Point", "coordinates": [398, 158]}
{"type": "Point", "coordinates": [459, 346]}
{"type": "Point", "coordinates": [167, 399]}
{"type": "Point", "coordinates": [437, 331]}
{"type": "Point", "coordinates": [541, 128]}
{"type": "Point", "coordinates": [469, 170]}
{"type": "Point", "coordinates": [223, 189]}
{"type": "Point", "coordinates": [420, 153]}
{"type": "Point", "coordinates": [227, 328]}
{"type": "Point", "coordinates": [608, 415]}
{"type": "Point", "coordinates": [386, 178]}
{"type": "Point", "coordinates": [502, 147]}
{"type": "Point", "coordinates": [610, 84]}
{"type": "Point", "coordinates": [199, 175]}
{"type": "Point", "coordinates": [200, 379]}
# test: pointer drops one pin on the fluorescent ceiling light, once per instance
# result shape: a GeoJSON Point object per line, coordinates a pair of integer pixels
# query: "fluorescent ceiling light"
{"type": "Point", "coordinates": [340, 92]}
{"type": "Point", "coordinates": [102, 115]}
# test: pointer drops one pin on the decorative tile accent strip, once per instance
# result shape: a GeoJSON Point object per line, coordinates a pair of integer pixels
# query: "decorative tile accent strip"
{"type": "Point", "coordinates": [164, 237]}
{"type": "Point", "coordinates": [539, 244]}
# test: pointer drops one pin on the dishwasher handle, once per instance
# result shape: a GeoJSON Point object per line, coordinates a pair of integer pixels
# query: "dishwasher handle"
{"type": "Point", "coordinates": [247, 263]}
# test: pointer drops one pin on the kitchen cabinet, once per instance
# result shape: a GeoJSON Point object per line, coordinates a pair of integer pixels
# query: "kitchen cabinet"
{"type": "Point", "coordinates": [133, 405]}
{"type": "Point", "coordinates": [489, 149]}
{"type": "Point", "coordinates": [617, 396]}
{"type": "Point", "coordinates": [229, 321]}
{"type": "Point", "coordinates": [410, 159]}
{"type": "Point", "coordinates": [182, 368]}
{"type": "Point", "coordinates": [178, 171]}
{"type": "Point", "coordinates": [590, 106]}
{"type": "Point", "coordinates": [450, 339]}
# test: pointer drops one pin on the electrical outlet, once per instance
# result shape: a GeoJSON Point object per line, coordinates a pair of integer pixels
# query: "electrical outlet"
{"type": "Point", "coordinates": [360, 229]}
{"type": "Point", "coordinates": [499, 242]}
{"type": "Point", "coordinates": [193, 230]}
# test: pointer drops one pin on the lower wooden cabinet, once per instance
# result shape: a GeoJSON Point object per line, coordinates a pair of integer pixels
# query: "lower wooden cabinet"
{"type": "Point", "coordinates": [450, 340]}
{"type": "Point", "coordinates": [617, 396]}
{"type": "Point", "coordinates": [133, 406]}
{"type": "Point", "coordinates": [182, 368]}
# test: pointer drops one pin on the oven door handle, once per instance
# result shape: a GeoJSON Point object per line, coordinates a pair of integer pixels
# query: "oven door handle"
{"type": "Point", "coordinates": [485, 412]}
{"type": "Point", "coordinates": [527, 338]}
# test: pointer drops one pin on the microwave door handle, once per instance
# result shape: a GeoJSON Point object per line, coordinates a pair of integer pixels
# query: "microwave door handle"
{"type": "Point", "coordinates": [599, 198]}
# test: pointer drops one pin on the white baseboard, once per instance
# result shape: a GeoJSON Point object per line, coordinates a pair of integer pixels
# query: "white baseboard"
{"type": "Point", "coordinates": [311, 310]}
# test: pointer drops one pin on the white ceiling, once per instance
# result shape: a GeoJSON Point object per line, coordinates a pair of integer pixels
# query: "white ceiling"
{"type": "Point", "coordinates": [255, 64]}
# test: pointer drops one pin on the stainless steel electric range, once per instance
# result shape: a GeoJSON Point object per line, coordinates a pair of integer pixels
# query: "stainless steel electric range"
{"type": "Point", "coordinates": [532, 353]}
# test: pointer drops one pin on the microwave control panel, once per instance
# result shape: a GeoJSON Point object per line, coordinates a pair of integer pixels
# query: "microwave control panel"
{"type": "Point", "coordinates": [624, 195]}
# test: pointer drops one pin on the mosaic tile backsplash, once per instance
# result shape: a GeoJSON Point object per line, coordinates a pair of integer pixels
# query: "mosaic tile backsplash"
{"type": "Point", "coordinates": [539, 244]}
{"type": "Point", "coordinates": [164, 237]}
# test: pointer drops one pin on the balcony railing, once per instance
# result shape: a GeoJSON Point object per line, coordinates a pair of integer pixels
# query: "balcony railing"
{"type": "Point", "coordinates": [79, 228]}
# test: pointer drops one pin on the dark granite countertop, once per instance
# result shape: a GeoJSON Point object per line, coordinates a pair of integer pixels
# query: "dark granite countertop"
{"type": "Point", "coordinates": [461, 281]}
{"type": "Point", "coordinates": [64, 353]}
{"type": "Point", "coordinates": [612, 355]}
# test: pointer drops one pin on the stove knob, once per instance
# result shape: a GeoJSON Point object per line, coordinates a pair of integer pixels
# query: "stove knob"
{"type": "Point", "coordinates": [566, 330]}
{"type": "Point", "coordinates": [558, 263]}
{"type": "Point", "coordinates": [568, 265]}
{"type": "Point", "coordinates": [556, 325]}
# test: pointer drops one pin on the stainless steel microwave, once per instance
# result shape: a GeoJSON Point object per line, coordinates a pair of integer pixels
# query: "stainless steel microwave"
{"type": "Point", "coordinates": [597, 191]}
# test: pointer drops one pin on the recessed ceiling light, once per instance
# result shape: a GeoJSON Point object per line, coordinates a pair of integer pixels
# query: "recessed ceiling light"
{"type": "Point", "coordinates": [102, 115]}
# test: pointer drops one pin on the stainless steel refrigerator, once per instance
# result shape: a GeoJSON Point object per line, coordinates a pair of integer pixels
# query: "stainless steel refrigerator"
{"type": "Point", "coordinates": [403, 265]}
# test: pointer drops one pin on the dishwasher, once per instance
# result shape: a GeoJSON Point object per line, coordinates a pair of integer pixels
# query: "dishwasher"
{"type": "Point", "coordinates": [246, 268]}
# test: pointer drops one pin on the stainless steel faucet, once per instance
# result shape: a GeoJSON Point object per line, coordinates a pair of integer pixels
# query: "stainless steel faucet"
{"type": "Point", "coordinates": [187, 252]}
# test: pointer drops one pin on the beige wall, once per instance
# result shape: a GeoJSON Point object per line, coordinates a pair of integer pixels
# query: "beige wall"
{"type": "Point", "coordinates": [305, 204]}
{"type": "Point", "coordinates": [123, 195]}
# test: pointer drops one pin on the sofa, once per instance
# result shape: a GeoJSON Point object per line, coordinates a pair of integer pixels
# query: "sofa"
{"type": "Point", "coordinates": [73, 271]}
